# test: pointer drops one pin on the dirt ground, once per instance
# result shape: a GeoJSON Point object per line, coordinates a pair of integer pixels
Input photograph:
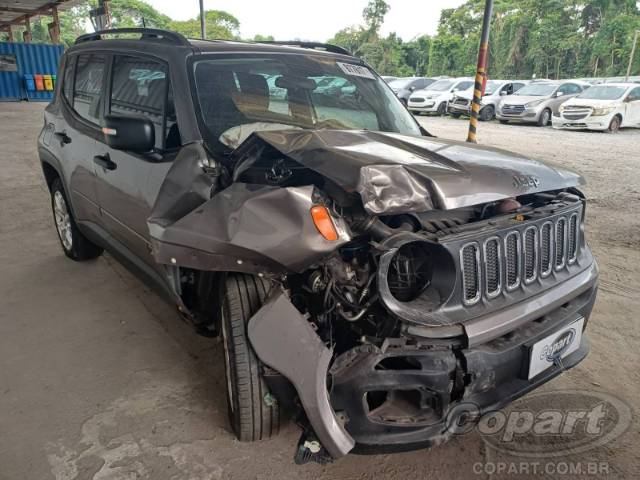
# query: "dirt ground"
{"type": "Point", "coordinates": [100, 380]}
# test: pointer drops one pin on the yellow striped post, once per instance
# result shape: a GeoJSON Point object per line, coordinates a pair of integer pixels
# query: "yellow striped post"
{"type": "Point", "coordinates": [481, 72]}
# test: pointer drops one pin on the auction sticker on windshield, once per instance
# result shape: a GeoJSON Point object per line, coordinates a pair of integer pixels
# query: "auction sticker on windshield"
{"type": "Point", "coordinates": [553, 348]}
{"type": "Point", "coordinates": [355, 70]}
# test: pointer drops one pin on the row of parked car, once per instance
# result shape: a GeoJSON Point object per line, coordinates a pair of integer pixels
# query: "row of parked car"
{"type": "Point", "coordinates": [569, 104]}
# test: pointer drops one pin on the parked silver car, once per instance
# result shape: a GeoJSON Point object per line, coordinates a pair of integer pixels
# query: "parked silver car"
{"type": "Point", "coordinates": [538, 101]}
{"type": "Point", "coordinates": [493, 93]}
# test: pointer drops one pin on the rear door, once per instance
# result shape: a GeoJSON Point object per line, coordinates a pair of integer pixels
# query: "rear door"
{"type": "Point", "coordinates": [139, 86]}
{"type": "Point", "coordinates": [75, 127]}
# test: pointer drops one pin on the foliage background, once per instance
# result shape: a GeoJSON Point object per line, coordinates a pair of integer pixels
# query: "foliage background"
{"type": "Point", "coordinates": [546, 38]}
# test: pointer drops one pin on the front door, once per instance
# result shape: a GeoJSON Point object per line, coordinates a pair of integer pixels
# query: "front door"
{"type": "Point", "coordinates": [127, 190]}
{"type": "Point", "coordinates": [632, 103]}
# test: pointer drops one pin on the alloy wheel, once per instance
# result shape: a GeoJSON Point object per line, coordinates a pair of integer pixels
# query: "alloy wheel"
{"type": "Point", "coordinates": [63, 220]}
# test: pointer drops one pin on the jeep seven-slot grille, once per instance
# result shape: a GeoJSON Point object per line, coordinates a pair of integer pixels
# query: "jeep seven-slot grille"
{"type": "Point", "coordinates": [493, 266]}
{"type": "Point", "coordinates": [518, 256]}
{"type": "Point", "coordinates": [530, 251]}
{"type": "Point", "coordinates": [512, 259]}
{"type": "Point", "coordinates": [470, 259]}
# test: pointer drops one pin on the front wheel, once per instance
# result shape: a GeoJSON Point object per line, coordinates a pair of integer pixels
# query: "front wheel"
{"type": "Point", "coordinates": [545, 118]}
{"type": "Point", "coordinates": [442, 109]}
{"type": "Point", "coordinates": [504, 122]}
{"type": "Point", "coordinates": [487, 113]}
{"type": "Point", "coordinates": [253, 412]}
{"type": "Point", "coordinates": [455, 115]}
{"type": "Point", "coordinates": [614, 125]}
{"type": "Point", "coordinates": [74, 244]}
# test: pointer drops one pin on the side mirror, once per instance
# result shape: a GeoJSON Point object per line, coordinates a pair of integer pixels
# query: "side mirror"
{"type": "Point", "coordinates": [135, 134]}
{"type": "Point", "coordinates": [559, 94]}
{"type": "Point", "coordinates": [503, 93]}
{"type": "Point", "coordinates": [412, 88]}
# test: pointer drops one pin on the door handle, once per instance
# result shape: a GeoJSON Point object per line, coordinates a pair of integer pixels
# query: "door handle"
{"type": "Point", "coordinates": [63, 137]}
{"type": "Point", "coordinates": [105, 162]}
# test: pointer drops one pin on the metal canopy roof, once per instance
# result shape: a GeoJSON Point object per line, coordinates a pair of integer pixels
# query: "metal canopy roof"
{"type": "Point", "coordinates": [15, 12]}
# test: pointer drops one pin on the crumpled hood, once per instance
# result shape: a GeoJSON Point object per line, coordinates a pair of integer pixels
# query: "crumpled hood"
{"type": "Point", "coordinates": [396, 173]}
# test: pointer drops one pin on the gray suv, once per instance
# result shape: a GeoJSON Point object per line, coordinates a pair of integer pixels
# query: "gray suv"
{"type": "Point", "coordinates": [376, 282]}
{"type": "Point", "coordinates": [537, 101]}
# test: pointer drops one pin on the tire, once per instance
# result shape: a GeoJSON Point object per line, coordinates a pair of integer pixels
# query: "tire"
{"type": "Point", "coordinates": [442, 109]}
{"type": "Point", "coordinates": [456, 115]}
{"type": "Point", "coordinates": [614, 126]}
{"type": "Point", "coordinates": [253, 413]}
{"type": "Point", "coordinates": [544, 118]}
{"type": "Point", "coordinates": [504, 122]}
{"type": "Point", "coordinates": [487, 114]}
{"type": "Point", "coordinates": [74, 244]}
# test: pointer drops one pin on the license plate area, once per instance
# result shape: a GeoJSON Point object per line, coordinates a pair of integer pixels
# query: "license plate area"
{"type": "Point", "coordinates": [554, 347]}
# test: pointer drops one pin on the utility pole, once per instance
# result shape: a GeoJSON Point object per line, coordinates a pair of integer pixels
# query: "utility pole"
{"type": "Point", "coordinates": [481, 71]}
{"type": "Point", "coordinates": [203, 31]}
{"type": "Point", "coordinates": [633, 52]}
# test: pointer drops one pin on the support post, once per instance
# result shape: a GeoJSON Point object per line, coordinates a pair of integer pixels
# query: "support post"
{"type": "Point", "coordinates": [633, 52]}
{"type": "Point", "coordinates": [481, 71]}
{"type": "Point", "coordinates": [54, 26]}
{"type": "Point", "coordinates": [26, 35]}
{"type": "Point", "coordinates": [203, 29]}
{"type": "Point", "coordinates": [10, 32]}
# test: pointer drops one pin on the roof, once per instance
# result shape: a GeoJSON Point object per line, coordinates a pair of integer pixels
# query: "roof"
{"type": "Point", "coordinates": [157, 40]}
{"type": "Point", "coordinates": [15, 12]}
{"type": "Point", "coordinates": [617, 84]}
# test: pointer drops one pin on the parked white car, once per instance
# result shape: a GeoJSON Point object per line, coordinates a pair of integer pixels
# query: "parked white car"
{"type": "Point", "coordinates": [493, 93]}
{"type": "Point", "coordinates": [435, 98]}
{"type": "Point", "coordinates": [608, 106]}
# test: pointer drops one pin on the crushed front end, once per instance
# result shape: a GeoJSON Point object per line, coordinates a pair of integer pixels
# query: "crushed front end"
{"type": "Point", "coordinates": [410, 276]}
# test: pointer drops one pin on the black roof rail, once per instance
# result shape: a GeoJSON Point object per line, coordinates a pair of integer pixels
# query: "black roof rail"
{"type": "Point", "coordinates": [327, 47]}
{"type": "Point", "coordinates": [145, 34]}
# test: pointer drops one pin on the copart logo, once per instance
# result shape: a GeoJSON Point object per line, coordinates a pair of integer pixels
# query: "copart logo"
{"type": "Point", "coordinates": [525, 182]}
{"type": "Point", "coordinates": [559, 346]}
{"type": "Point", "coordinates": [547, 424]}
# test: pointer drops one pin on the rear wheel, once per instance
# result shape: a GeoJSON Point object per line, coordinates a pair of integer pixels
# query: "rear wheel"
{"type": "Point", "coordinates": [253, 412]}
{"type": "Point", "coordinates": [442, 109]}
{"type": "Point", "coordinates": [545, 118]}
{"type": "Point", "coordinates": [614, 126]}
{"type": "Point", "coordinates": [74, 244]}
{"type": "Point", "coordinates": [504, 122]}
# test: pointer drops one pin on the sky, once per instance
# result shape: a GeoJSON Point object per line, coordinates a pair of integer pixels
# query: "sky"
{"type": "Point", "coordinates": [313, 20]}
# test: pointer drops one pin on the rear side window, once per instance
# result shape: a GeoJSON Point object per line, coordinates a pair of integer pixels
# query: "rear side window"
{"type": "Point", "coordinates": [140, 88]}
{"type": "Point", "coordinates": [88, 86]}
{"type": "Point", "coordinates": [67, 80]}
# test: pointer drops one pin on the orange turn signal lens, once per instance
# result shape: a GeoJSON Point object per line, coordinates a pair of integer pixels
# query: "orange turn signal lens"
{"type": "Point", "coordinates": [323, 222]}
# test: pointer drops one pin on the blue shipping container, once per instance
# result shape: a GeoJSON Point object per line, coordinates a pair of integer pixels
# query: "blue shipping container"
{"type": "Point", "coordinates": [18, 60]}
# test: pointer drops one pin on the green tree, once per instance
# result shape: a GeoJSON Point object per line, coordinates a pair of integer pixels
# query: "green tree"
{"type": "Point", "coordinates": [218, 25]}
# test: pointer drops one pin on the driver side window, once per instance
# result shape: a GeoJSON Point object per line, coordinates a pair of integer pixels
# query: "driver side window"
{"type": "Point", "coordinates": [634, 95]}
{"type": "Point", "coordinates": [140, 87]}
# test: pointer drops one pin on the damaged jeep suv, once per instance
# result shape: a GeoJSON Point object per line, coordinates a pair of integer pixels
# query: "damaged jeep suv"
{"type": "Point", "coordinates": [365, 276]}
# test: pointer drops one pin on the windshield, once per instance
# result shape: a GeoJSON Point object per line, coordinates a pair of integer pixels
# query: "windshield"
{"type": "Point", "coordinates": [537, 89]}
{"type": "Point", "coordinates": [401, 82]}
{"type": "Point", "coordinates": [266, 92]}
{"type": "Point", "coordinates": [602, 92]}
{"type": "Point", "coordinates": [440, 85]}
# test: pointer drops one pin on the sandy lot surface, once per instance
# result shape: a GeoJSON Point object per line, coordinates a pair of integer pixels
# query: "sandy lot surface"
{"type": "Point", "coordinates": [100, 380]}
